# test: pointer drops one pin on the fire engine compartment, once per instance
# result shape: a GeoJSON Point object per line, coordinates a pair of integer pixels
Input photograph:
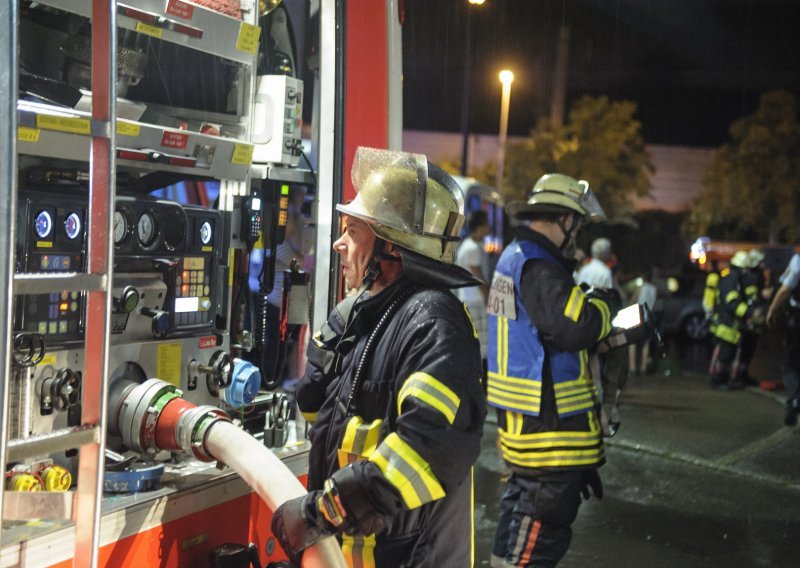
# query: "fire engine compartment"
{"type": "Point", "coordinates": [185, 339]}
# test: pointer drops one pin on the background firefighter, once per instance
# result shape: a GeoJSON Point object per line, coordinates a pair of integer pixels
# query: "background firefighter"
{"type": "Point", "coordinates": [541, 326]}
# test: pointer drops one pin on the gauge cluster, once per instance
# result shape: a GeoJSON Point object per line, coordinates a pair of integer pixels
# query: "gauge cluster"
{"type": "Point", "coordinates": [144, 226]}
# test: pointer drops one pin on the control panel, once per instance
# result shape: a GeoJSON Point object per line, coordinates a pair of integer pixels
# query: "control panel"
{"type": "Point", "coordinates": [51, 239]}
{"type": "Point", "coordinates": [166, 263]}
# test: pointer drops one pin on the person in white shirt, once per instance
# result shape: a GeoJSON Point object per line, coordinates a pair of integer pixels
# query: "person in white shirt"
{"type": "Point", "coordinates": [596, 272]}
{"type": "Point", "coordinates": [645, 295]}
{"type": "Point", "coordinates": [470, 256]}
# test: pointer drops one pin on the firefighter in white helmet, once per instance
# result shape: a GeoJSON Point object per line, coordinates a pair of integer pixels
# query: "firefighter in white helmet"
{"type": "Point", "coordinates": [393, 382]}
{"type": "Point", "coordinates": [737, 304]}
{"type": "Point", "coordinates": [541, 326]}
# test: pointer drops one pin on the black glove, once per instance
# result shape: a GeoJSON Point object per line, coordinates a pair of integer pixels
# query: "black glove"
{"type": "Point", "coordinates": [610, 296]}
{"type": "Point", "coordinates": [591, 480]}
{"type": "Point", "coordinates": [297, 524]}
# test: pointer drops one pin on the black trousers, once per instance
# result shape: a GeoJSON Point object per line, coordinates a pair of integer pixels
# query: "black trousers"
{"type": "Point", "coordinates": [536, 514]}
{"type": "Point", "coordinates": [791, 356]}
{"type": "Point", "coordinates": [721, 362]}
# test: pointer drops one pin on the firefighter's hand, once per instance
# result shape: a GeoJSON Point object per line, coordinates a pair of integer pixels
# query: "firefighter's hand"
{"type": "Point", "coordinates": [297, 524]}
{"type": "Point", "coordinates": [608, 295]}
{"type": "Point", "coordinates": [591, 480]}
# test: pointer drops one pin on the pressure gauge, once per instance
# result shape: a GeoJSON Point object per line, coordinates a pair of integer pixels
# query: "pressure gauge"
{"type": "Point", "coordinates": [205, 233]}
{"type": "Point", "coordinates": [72, 226]}
{"type": "Point", "coordinates": [120, 227]}
{"type": "Point", "coordinates": [146, 229]}
{"type": "Point", "coordinates": [43, 224]}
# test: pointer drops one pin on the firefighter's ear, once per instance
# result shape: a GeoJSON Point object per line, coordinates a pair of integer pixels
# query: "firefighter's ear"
{"type": "Point", "coordinates": [390, 249]}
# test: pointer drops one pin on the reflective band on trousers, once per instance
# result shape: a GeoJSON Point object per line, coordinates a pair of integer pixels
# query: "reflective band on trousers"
{"type": "Point", "coordinates": [359, 551]}
{"type": "Point", "coordinates": [359, 441]}
{"type": "Point", "coordinates": [434, 393]}
{"type": "Point", "coordinates": [404, 468]}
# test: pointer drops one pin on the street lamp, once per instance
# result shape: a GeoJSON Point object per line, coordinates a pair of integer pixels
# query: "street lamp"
{"type": "Point", "coordinates": [465, 92]}
{"type": "Point", "coordinates": [506, 78]}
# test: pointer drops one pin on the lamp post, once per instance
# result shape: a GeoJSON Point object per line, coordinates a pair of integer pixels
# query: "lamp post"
{"type": "Point", "coordinates": [506, 78]}
{"type": "Point", "coordinates": [465, 93]}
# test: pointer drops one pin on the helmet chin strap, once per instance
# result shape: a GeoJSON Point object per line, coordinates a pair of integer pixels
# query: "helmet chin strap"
{"type": "Point", "coordinates": [568, 245]}
{"type": "Point", "coordinates": [374, 267]}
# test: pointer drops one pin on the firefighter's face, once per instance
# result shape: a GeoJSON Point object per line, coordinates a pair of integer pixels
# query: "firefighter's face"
{"type": "Point", "coordinates": [355, 247]}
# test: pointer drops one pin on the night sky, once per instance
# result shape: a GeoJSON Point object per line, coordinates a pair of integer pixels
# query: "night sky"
{"type": "Point", "coordinates": [693, 66]}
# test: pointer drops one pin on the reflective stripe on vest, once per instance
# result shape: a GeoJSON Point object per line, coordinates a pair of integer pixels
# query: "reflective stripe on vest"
{"type": "Point", "coordinates": [516, 354]}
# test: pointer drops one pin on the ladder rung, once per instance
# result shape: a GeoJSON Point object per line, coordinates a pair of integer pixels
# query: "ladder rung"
{"type": "Point", "coordinates": [56, 441]}
{"type": "Point", "coordinates": [57, 282]}
{"type": "Point", "coordinates": [26, 506]}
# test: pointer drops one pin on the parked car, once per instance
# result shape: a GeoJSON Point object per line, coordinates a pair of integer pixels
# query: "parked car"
{"type": "Point", "coordinates": [678, 309]}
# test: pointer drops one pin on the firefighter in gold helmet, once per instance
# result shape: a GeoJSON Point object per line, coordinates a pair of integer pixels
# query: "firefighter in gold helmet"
{"type": "Point", "coordinates": [541, 327]}
{"type": "Point", "coordinates": [393, 382]}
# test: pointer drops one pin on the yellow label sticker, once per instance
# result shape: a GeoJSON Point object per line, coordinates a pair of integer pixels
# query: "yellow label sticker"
{"type": "Point", "coordinates": [207, 249]}
{"type": "Point", "coordinates": [147, 29]}
{"type": "Point", "coordinates": [44, 244]}
{"type": "Point", "coordinates": [248, 38]}
{"type": "Point", "coordinates": [194, 263]}
{"type": "Point", "coordinates": [242, 154]}
{"type": "Point", "coordinates": [47, 360]}
{"type": "Point", "coordinates": [230, 263]}
{"type": "Point", "coordinates": [168, 366]}
{"type": "Point", "coordinates": [128, 128]}
{"type": "Point", "coordinates": [63, 124]}
{"type": "Point", "coordinates": [26, 134]}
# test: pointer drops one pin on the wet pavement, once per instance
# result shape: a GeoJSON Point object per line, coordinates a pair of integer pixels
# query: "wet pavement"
{"type": "Point", "coordinates": [694, 478]}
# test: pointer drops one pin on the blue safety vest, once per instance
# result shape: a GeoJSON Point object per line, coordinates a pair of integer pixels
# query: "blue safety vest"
{"type": "Point", "coordinates": [517, 354]}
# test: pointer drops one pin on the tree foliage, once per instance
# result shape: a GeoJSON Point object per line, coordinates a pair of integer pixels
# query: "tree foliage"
{"type": "Point", "coordinates": [751, 188]}
{"type": "Point", "coordinates": [601, 142]}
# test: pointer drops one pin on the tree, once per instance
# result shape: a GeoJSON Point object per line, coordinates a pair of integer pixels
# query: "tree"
{"type": "Point", "coordinates": [751, 188]}
{"type": "Point", "coordinates": [601, 142]}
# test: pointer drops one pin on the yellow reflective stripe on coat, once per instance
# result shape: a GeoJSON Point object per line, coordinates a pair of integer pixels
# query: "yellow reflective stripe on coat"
{"type": "Point", "coordinates": [574, 304]}
{"type": "Point", "coordinates": [471, 323]}
{"type": "Point", "coordinates": [731, 296]}
{"type": "Point", "coordinates": [552, 449]}
{"type": "Point", "coordinates": [359, 441]}
{"type": "Point", "coordinates": [727, 333]}
{"type": "Point", "coordinates": [751, 290]}
{"type": "Point", "coordinates": [606, 315]}
{"type": "Point", "coordinates": [741, 309]}
{"type": "Point", "coordinates": [432, 392]}
{"type": "Point", "coordinates": [404, 468]}
{"type": "Point", "coordinates": [554, 458]}
{"type": "Point", "coordinates": [524, 394]}
{"type": "Point", "coordinates": [359, 551]}
{"type": "Point", "coordinates": [543, 440]}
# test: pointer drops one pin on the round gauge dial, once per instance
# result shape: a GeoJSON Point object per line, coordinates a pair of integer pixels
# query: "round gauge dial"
{"type": "Point", "coordinates": [72, 226]}
{"type": "Point", "coordinates": [173, 228]}
{"type": "Point", "coordinates": [120, 227]}
{"type": "Point", "coordinates": [146, 229]}
{"type": "Point", "coordinates": [206, 233]}
{"type": "Point", "coordinates": [43, 224]}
